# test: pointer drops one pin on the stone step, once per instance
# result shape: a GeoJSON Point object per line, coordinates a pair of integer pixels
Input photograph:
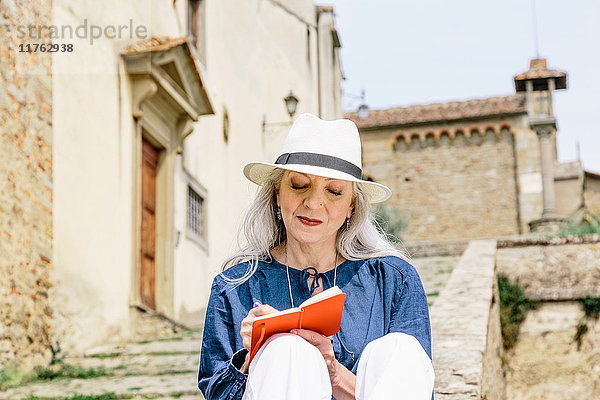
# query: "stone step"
{"type": "Point", "coordinates": [140, 363]}
{"type": "Point", "coordinates": [159, 347]}
{"type": "Point", "coordinates": [146, 386]}
{"type": "Point", "coordinates": [434, 273]}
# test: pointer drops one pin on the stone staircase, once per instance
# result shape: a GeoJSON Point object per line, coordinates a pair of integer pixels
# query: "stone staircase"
{"type": "Point", "coordinates": [434, 272]}
{"type": "Point", "coordinates": [163, 369]}
{"type": "Point", "coordinates": [161, 362]}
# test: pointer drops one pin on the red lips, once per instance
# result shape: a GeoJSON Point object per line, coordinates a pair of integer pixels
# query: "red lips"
{"type": "Point", "coordinates": [309, 221]}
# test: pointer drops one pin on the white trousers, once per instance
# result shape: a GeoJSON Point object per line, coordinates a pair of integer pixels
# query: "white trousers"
{"type": "Point", "coordinates": [287, 367]}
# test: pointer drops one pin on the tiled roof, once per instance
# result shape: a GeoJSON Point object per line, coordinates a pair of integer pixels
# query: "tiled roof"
{"type": "Point", "coordinates": [590, 174]}
{"type": "Point", "coordinates": [540, 73]}
{"type": "Point", "coordinates": [428, 113]}
{"type": "Point", "coordinates": [538, 70]}
{"type": "Point", "coordinates": [155, 43]}
{"type": "Point", "coordinates": [144, 48]}
{"type": "Point", "coordinates": [325, 8]}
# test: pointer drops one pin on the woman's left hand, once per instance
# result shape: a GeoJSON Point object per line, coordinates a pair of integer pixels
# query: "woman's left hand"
{"type": "Point", "coordinates": [325, 346]}
{"type": "Point", "coordinates": [343, 381]}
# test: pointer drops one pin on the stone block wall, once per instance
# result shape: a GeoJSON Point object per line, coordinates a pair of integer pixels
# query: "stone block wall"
{"type": "Point", "coordinates": [569, 196]}
{"type": "Point", "coordinates": [493, 384]}
{"type": "Point", "coordinates": [465, 326]}
{"type": "Point", "coordinates": [592, 193]}
{"type": "Point", "coordinates": [553, 269]}
{"type": "Point", "coordinates": [547, 362]}
{"type": "Point", "coordinates": [568, 188]}
{"type": "Point", "coordinates": [25, 189]}
{"type": "Point", "coordinates": [452, 188]}
{"type": "Point", "coordinates": [527, 151]}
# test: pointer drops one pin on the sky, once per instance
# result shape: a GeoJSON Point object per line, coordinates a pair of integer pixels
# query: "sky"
{"type": "Point", "coordinates": [426, 51]}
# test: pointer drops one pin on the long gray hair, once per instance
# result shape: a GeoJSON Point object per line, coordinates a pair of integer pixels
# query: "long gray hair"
{"type": "Point", "coordinates": [262, 231]}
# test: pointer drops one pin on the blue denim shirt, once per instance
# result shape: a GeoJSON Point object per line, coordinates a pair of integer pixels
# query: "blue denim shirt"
{"type": "Point", "coordinates": [383, 295]}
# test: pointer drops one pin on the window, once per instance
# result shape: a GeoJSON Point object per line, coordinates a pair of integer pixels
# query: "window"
{"type": "Point", "coordinates": [196, 27]}
{"type": "Point", "coordinates": [196, 214]}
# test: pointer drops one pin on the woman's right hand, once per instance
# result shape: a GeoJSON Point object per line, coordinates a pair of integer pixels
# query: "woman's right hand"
{"type": "Point", "coordinates": [246, 330]}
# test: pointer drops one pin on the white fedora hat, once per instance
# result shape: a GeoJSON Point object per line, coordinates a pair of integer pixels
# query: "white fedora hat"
{"type": "Point", "coordinates": [324, 148]}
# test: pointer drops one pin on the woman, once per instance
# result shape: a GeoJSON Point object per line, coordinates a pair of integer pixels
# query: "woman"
{"type": "Point", "coordinates": [308, 229]}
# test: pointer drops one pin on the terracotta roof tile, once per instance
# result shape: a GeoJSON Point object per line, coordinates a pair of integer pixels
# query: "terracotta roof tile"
{"type": "Point", "coordinates": [155, 43]}
{"type": "Point", "coordinates": [456, 110]}
{"type": "Point", "coordinates": [325, 8]}
{"type": "Point", "coordinates": [538, 69]}
{"type": "Point", "coordinates": [161, 43]}
{"type": "Point", "coordinates": [539, 73]}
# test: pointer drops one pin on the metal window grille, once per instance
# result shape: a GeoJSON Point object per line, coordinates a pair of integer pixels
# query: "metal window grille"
{"type": "Point", "coordinates": [195, 213]}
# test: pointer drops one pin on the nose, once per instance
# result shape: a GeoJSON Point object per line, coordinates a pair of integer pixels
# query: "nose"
{"type": "Point", "coordinates": [314, 199]}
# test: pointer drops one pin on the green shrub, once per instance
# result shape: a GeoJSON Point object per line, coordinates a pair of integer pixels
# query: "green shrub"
{"type": "Point", "coordinates": [588, 226]}
{"type": "Point", "coordinates": [514, 306]}
{"type": "Point", "coordinates": [17, 376]}
{"type": "Point", "coordinates": [582, 329]}
{"type": "Point", "coordinates": [591, 306]}
{"type": "Point", "coordinates": [14, 375]}
{"type": "Point", "coordinates": [391, 221]}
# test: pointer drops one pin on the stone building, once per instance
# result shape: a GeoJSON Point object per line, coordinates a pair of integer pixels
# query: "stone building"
{"type": "Point", "coordinates": [26, 183]}
{"type": "Point", "coordinates": [121, 179]}
{"type": "Point", "coordinates": [471, 169]}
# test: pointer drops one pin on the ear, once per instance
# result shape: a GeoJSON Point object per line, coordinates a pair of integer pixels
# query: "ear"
{"type": "Point", "coordinates": [352, 203]}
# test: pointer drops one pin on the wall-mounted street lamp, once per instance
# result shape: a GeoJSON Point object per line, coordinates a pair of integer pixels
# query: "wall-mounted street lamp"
{"type": "Point", "coordinates": [291, 104]}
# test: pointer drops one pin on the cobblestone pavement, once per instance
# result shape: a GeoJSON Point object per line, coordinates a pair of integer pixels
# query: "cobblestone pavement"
{"type": "Point", "coordinates": [162, 368]}
{"type": "Point", "coordinates": [434, 272]}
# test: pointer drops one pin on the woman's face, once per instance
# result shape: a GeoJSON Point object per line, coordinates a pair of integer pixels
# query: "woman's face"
{"type": "Point", "coordinates": [313, 208]}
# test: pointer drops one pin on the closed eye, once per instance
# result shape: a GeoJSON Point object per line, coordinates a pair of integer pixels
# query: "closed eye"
{"type": "Point", "coordinates": [299, 187]}
{"type": "Point", "coordinates": [335, 193]}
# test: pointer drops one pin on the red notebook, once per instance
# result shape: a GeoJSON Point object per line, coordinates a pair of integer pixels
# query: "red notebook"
{"type": "Point", "coordinates": [321, 313]}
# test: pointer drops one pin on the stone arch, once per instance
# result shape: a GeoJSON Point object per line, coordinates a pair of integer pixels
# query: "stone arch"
{"type": "Point", "coordinates": [415, 141]}
{"type": "Point", "coordinates": [493, 128]}
{"type": "Point", "coordinates": [398, 135]}
{"type": "Point", "coordinates": [475, 136]}
{"type": "Point", "coordinates": [506, 133]}
{"type": "Point", "coordinates": [460, 139]}
{"type": "Point", "coordinates": [445, 139]}
{"type": "Point", "coordinates": [430, 139]}
{"type": "Point", "coordinates": [400, 143]}
{"type": "Point", "coordinates": [490, 135]}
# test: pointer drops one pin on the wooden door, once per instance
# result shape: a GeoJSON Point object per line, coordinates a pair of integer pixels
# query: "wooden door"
{"type": "Point", "coordinates": [148, 226]}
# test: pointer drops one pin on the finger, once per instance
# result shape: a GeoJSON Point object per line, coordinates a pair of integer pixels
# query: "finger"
{"type": "Point", "coordinates": [312, 337]}
{"type": "Point", "coordinates": [247, 323]}
{"type": "Point", "coordinates": [265, 309]}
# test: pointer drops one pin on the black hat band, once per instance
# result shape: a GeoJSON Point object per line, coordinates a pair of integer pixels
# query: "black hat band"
{"type": "Point", "coordinates": [320, 160]}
